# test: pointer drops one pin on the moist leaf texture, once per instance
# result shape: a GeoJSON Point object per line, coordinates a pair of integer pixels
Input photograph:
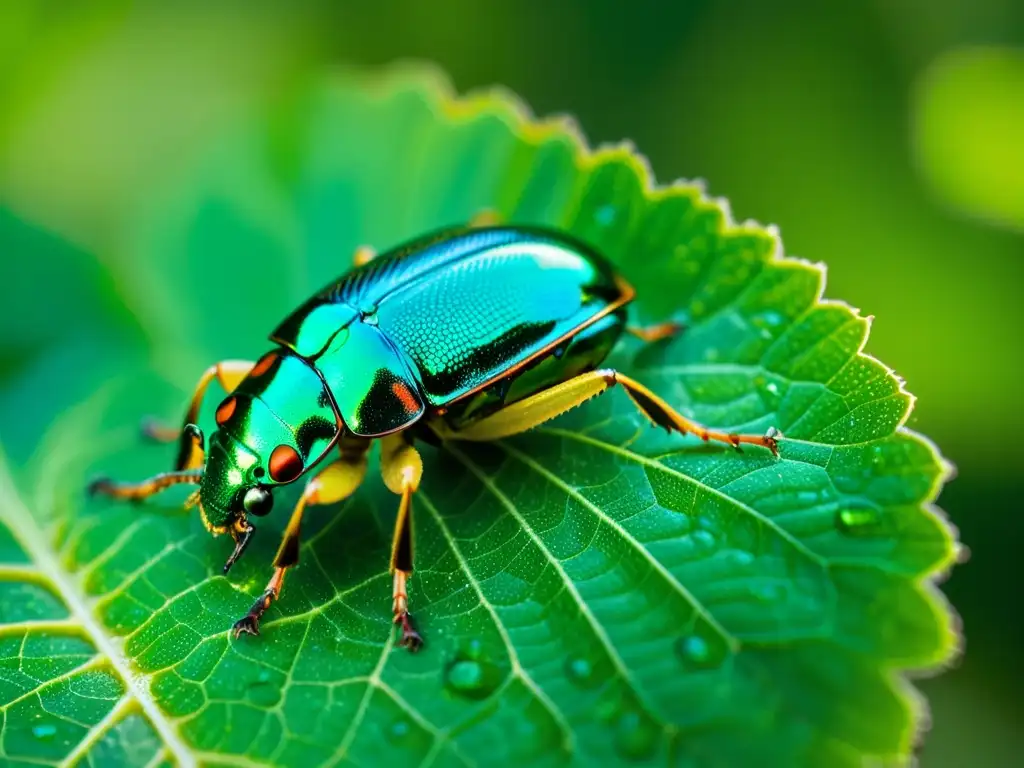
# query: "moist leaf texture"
{"type": "Point", "coordinates": [594, 590]}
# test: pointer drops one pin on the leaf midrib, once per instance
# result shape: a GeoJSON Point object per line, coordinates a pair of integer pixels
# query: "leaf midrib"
{"type": "Point", "coordinates": [27, 533]}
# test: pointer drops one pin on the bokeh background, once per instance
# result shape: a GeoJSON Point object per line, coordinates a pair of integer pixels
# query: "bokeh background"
{"type": "Point", "coordinates": [884, 137]}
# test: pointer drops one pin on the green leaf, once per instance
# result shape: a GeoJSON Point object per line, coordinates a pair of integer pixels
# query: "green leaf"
{"type": "Point", "coordinates": [968, 119]}
{"type": "Point", "coordinates": [594, 590]}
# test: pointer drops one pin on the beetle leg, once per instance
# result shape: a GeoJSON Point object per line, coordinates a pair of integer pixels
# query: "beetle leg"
{"type": "Point", "coordinates": [147, 488]}
{"type": "Point", "coordinates": [544, 406]}
{"type": "Point", "coordinates": [337, 481]}
{"type": "Point", "coordinates": [364, 255]}
{"type": "Point", "coordinates": [402, 468]}
{"type": "Point", "coordinates": [487, 217]}
{"type": "Point", "coordinates": [657, 332]}
{"type": "Point", "coordinates": [230, 374]}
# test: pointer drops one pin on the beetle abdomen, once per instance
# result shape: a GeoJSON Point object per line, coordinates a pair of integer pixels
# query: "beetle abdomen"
{"type": "Point", "coordinates": [454, 312]}
{"type": "Point", "coordinates": [490, 313]}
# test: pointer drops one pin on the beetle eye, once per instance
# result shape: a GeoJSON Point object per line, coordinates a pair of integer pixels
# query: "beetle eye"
{"type": "Point", "coordinates": [258, 501]}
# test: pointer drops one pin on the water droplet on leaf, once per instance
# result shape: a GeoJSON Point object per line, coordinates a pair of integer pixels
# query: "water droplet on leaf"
{"type": "Point", "coordinates": [472, 678]}
{"type": "Point", "coordinates": [44, 731]}
{"type": "Point", "coordinates": [739, 557]}
{"type": "Point", "coordinates": [698, 653]}
{"type": "Point", "coordinates": [768, 319]}
{"type": "Point", "coordinates": [581, 672]}
{"type": "Point", "coordinates": [768, 592]}
{"type": "Point", "coordinates": [809, 497]}
{"type": "Point", "coordinates": [399, 729]}
{"type": "Point", "coordinates": [703, 540]}
{"type": "Point", "coordinates": [605, 215]}
{"type": "Point", "coordinates": [862, 521]}
{"type": "Point", "coordinates": [636, 735]}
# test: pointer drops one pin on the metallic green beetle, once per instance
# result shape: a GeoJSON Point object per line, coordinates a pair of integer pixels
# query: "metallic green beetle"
{"type": "Point", "coordinates": [474, 333]}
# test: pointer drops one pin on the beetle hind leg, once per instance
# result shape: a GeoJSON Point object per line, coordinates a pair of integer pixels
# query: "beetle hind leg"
{"type": "Point", "coordinates": [402, 469]}
{"type": "Point", "coordinates": [546, 405]}
{"type": "Point", "coordinates": [337, 481]}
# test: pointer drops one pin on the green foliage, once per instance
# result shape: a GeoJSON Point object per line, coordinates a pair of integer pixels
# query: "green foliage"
{"type": "Point", "coordinates": [592, 591]}
{"type": "Point", "coordinates": [968, 121]}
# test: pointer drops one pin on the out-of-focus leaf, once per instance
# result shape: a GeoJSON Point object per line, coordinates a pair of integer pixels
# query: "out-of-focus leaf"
{"type": "Point", "coordinates": [593, 591]}
{"type": "Point", "coordinates": [968, 123]}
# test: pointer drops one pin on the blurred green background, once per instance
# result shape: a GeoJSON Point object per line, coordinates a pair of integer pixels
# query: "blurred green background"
{"type": "Point", "coordinates": [885, 138]}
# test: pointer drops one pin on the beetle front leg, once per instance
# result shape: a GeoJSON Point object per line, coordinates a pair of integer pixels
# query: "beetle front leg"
{"type": "Point", "coordinates": [230, 374]}
{"type": "Point", "coordinates": [336, 482]}
{"type": "Point", "coordinates": [402, 469]}
{"type": "Point", "coordinates": [146, 488]}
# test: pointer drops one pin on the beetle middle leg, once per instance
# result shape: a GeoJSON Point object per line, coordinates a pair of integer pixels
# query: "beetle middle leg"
{"type": "Point", "coordinates": [657, 332]}
{"type": "Point", "coordinates": [402, 469]}
{"type": "Point", "coordinates": [230, 374]}
{"type": "Point", "coordinates": [546, 405]}
{"type": "Point", "coordinates": [486, 217]}
{"type": "Point", "coordinates": [335, 482]}
{"type": "Point", "coordinates": [364, 255]}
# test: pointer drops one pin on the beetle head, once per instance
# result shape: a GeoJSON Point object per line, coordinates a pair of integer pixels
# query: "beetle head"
{"type": "Point", "coordinates": [276, 424]}
{"type": "Point", "coordinates": [230, 492]}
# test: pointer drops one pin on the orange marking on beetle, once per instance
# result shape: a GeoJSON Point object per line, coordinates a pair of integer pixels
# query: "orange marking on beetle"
{"type": "Point", "coordinates": [403, 393]}
{"type": "Point", "coordinates": [285, 464]}
{"type": "Point", "coordinates": [226, 410]}
{"type": "Point", "coordinates": [263, 364]}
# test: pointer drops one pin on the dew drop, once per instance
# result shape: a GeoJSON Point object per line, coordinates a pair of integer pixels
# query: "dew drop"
{"type": "Point", "coordinates": [808, 497]}
{"type": "Point", "coordinates": [769, 319]}
{"type": "Point", "coordinates": [636, 735]}
{"type": "Point", "coordinates": [581, 672]}
{"type": "Point", "coordinates": [472, 678]}
{"type": "Point", "coordinates": [768, 593]}
{"type": "Point", "coordinates": [697, 653]}
{"type": "Point", "coordinates": [399, 729]}
{"type": "Point", "coordinates": [44, 732]}
{"type": "Point", "coordinates": [465, 675]}
{"type": "Point", "coordinates": [694, 649]}
{"type": "Point", "coordinates": [769, 391]}
{"type": "Point", "coordinates": [709, 524]}
{"type": "Point", "coordinates": [863, 521]}
{"type": "Point", "coordinates": [605, 215]}
{"type": "Point", "coordinates": [703, 540]}
{"type": "Point", "coordinates": [740, 557]}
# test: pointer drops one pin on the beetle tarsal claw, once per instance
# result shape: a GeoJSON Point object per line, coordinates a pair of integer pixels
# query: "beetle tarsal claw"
{"type": "Point", "coordinates": [248, 624]}
{"type": "Point", "coordinates": [410, 639]}
{"type": "Point", "coordinates": [241, 532]}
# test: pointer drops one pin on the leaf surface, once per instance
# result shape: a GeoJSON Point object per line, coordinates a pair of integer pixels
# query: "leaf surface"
{"type": "Point", "coordinates": [594, 590]}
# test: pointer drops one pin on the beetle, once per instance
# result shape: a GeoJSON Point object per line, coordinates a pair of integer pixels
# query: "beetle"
{"type": "Point", "coordinates": [472, 333]}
